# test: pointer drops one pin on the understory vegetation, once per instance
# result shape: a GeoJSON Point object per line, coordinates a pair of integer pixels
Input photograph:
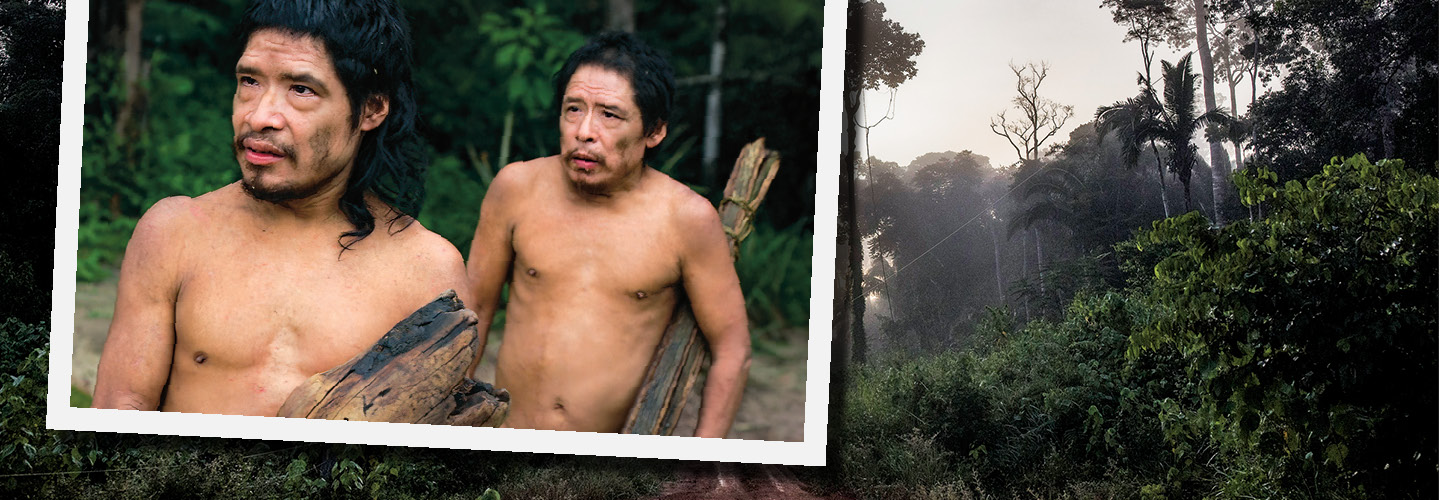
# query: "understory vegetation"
{"type": "Point", "coordinates": [1289, 356]}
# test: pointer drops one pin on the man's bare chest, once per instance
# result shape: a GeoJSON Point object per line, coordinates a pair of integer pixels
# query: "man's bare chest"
{"type": "Point", "coordinates": [637, 257]}
{"type": "Point", "coordinates": [263, 309]}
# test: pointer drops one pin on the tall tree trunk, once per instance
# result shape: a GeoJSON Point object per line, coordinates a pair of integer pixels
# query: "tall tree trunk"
{"type": "Point", "coordinates": [1025, 269]}
{"type": "Point", "coordinates": [1234, 113]}
{"type": "Point", "coordinates": [1039, 260]}
{"type": "Point", "coordinates": [1219, 163]}
{"type": "Point", "coordinates": [126, 124]}
{"type": "Point", "coordinates": [1148, 56]}
{"type": "Point", "coordinates": [710, 152]}
{"type": "Point", "coordinates": [995, 240]}
{"type": "Point", "coordinates": [620, 15]}
{"type": "Point", "coordinates": [857, 254]}
{"type": "Point", "coordinates": [849, 326]}
{"type": "Point", "coordinates": [1160, 169]}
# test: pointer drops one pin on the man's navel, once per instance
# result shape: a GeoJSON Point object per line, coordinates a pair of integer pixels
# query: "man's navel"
{"type": "Point", "coordinates": [200, 357]}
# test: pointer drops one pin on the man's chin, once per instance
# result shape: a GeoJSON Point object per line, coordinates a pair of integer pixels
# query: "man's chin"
{"type": "Point", "coordinates": [272, 194]}
{"type": "Point", "coordinates": [589, 184]}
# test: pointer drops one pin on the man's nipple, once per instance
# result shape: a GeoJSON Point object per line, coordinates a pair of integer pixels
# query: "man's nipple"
{"type": "Point", "coordinates": [531, 272]}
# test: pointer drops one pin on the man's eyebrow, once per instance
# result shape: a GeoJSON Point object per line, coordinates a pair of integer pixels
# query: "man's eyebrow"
{"type": "Point", "coordinates": [306, 79]}
{"type": "Point", "coordinates": [302, 78]}
{"type": "Point", "coordinates": [613, 108]}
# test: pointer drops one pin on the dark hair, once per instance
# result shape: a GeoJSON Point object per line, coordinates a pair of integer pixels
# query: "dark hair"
{"type": "Point", "coordinates": [651, 77]}
{"type": "Point", "coordinates": [369, 43]}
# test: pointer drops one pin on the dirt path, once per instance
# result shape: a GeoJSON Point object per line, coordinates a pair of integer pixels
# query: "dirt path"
{"type": "Point", "coordinates": [773, 408]}
{"type": "Point", "coordinates": [707, 481]}
{"type": "Point", "coordinates": [94, 306]}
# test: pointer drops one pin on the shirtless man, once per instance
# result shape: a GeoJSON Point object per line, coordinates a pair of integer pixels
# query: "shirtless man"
{"type": "Point", "coordinates": [230, 300]}
{"type": "Point", "coordinates": [597, 247]}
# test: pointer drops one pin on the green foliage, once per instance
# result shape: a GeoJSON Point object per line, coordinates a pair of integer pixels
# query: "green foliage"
{"type": "Point", "coordinates": [27, 446]}
{"type": "Point", "coordinates": [452, 203]}
{"type": "Point", "coordinates": [530, 44]}
{"type": "Point", "coordinates": [1053, 408]}
{"type": "Point", "coordinates": [774, 271]}
{"type": "Point", "coordinates": [1312, 330]}
{"type": "Point", "coordinates": [904, 424]}
{"type": "Point", "coordinates": [1359, 77]}
{"type": "Point", "coordinates": [181, 147]}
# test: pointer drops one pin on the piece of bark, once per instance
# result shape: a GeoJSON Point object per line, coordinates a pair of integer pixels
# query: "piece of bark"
{"type": "Point", "coordinates": [675, 366]}
{"type": "Point", "coordinates": [414, 374]}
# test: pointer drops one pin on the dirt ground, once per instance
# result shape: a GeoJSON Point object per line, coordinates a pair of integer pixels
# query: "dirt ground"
{"type": "Point", "coordinates": [773, 408]}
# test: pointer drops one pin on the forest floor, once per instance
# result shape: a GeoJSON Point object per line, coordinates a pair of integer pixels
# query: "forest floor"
{"type": "Point", "coordinates": [773, 408]}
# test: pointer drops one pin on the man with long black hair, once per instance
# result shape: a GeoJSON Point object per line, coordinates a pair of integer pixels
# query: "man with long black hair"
{"type": "Point", "coordinates": [598, 248]}
{"type": "Point", "coordinates": [229, 300]}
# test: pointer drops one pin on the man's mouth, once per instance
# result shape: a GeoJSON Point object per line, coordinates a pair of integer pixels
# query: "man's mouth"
{"type": "Point", "coordinates": [584, 162]}
{"type": "Point", "coordinates": [260, 152]}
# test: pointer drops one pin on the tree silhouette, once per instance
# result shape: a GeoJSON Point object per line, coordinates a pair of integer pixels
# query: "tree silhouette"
{"type": "Point", "coordinates": [1179, 120]}
{"type": "Point", "coordinates": [1135, 123]}
{"type": "Point", "coordinates": [1040, 118]}
{"type": "Point", "coordinates": [878, 51]}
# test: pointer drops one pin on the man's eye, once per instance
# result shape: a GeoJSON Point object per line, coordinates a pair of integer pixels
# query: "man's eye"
{"type": "Point", "coordinates": [611, 115]}
{"type": "Point", "coordinates": [245, 80]}
{"type": "Point", "coordinates": [303, 90]}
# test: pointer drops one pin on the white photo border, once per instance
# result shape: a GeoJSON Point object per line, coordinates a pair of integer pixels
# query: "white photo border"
{"type": "Point", "coordinates": [61, 416]}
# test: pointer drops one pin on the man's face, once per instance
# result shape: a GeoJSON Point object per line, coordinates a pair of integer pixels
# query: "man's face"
{"type": "Point", "coordinates": [602, 139]}
{"type": "Point", "coordinates": [293, 133]}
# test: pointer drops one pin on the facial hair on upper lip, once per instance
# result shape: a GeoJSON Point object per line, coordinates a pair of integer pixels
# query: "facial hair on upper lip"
{"type": "Point", "coordinates": [573, 155]}
{"type": "Point", "coordinates": [285, 149]}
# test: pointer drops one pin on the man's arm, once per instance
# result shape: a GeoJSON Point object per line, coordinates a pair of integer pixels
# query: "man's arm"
{"type": "Point", "coordinates": [135, 364]}
{"type": "Point", "coordinates": [708, 274]}
{"type": "Point", "coordinates": [491, 252]}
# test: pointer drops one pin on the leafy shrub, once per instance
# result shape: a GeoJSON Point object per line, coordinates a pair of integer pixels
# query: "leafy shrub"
{"type": "Point", "coordinates": [1055, 409]}
{"type": "Point", "coordinates": [27, 447]}
{"type": "Point", "coordinates": [1312, 331]}
{"type": "Point", "coordinates": [906, 423]}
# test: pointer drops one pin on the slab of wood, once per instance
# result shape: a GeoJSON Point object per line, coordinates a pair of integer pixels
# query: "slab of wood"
{"type": "Point", "coordinates": [414, 374]}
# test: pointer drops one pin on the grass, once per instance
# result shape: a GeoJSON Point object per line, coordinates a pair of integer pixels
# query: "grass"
{"type": "Point", "coordinates": [79, 399]}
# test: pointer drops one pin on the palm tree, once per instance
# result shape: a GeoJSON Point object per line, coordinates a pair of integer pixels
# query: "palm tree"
{"type": "Point", "coordinates": [1172, 121]}
{"type": "Point", "coordinates": [1134, 122]}
{"type": "Point", "coordinates": [1178, 120]}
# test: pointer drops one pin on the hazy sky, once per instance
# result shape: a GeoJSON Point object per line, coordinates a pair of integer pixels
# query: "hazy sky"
{"type": "Point", "coordinates": [964, 79]}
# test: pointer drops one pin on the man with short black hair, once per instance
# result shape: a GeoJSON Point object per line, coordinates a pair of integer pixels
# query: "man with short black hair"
{"type": "Point", "coordinates": [229, 300]}
{"type": "Point", "coordinates": [598, 249]}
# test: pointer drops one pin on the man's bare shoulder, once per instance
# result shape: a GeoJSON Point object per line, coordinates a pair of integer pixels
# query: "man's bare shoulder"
{"type": "Point", "coordinates": [176, 219]}
{"type": "Point", "coordinates": [429, 262]}
{"type": "Point", "coordinates": [157, 245]}
{"type": "Point", "coordinates": [427, 247]}
{"type": "Point", "coordinates": [520, 177]}
{"type": "Point", "coordinates": [690, 211]}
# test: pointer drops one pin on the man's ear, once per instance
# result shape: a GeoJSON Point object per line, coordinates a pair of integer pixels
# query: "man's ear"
{"type": "Point", "coordinates": [654, 138]}
{"type": "Point", "coordinates": [377, 107]}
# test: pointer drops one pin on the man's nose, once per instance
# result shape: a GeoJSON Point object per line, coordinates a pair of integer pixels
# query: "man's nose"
{"type": "Point", "coordinates": [584, 131]}
{"type": "Point", "coordinates": [266, 112]}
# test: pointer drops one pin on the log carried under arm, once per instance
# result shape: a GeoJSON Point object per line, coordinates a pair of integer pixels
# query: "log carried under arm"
{"type": "Point", "coordinates": [414, 374]}
{"type": "Point", "coordinates": [676, 364]}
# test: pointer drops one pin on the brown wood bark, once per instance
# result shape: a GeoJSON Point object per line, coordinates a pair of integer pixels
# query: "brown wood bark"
{"type": "Point", "coordinates": [414, 374]}
{"type": "Point", "coordinates": [675, 367]}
